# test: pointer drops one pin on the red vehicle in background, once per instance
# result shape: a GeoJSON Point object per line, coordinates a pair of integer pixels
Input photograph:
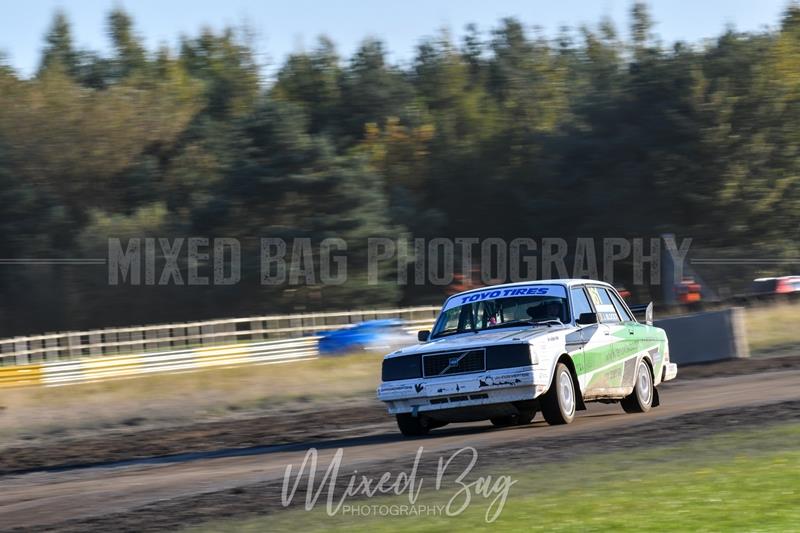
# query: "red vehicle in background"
{"type": "Point", "coordinates": [777, 285]}
{"type": "Point", "coordinates": [688, 292]}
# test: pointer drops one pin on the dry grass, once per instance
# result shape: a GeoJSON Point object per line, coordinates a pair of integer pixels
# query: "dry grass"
{"type": "Point", "coordinates": [773, 328]}
{"type": "Point", "coordinates": [154, 400]}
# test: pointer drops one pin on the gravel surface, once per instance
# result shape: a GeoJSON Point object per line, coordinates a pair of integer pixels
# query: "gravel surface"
{"type": "Point", "coordinates": [264, 498]}
{"type": "Point", "coordinates": [304, 423]}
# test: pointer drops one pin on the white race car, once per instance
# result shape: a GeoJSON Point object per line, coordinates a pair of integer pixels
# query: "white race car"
{"type": "Point", "coordinates": [503, 353]}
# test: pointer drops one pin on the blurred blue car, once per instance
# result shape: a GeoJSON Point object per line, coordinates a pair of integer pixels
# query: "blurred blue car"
{"type": "Point", "coordinates": [377, 335]}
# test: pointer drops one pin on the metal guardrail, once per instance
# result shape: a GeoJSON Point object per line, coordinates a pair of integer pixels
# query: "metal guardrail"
{"type": "Point", "coordinates": [95, 369]}
{"type": "Point", "coordinates": [109, 367]}
{"type": "Point", "coordinates": [104, 343]}
{"type": "Point", "coordinates": [117, 353]}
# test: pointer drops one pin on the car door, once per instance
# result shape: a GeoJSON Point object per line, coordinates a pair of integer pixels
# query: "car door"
{"type": "Point", "coordinates": [605, 357]}
{"type": "Point", "coordinates": [635, 334]}
{"type": "Point", "coordinates": [587, 337]}
{"type": "Point", "coordinates": [626, 319]}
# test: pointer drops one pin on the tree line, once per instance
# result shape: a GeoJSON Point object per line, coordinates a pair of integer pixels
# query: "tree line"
{"type": "Point", "coordinates": [504, 133]}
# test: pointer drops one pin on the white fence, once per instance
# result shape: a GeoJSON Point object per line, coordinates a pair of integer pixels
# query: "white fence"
{"type": "Point", "coordinates": [149, 341]}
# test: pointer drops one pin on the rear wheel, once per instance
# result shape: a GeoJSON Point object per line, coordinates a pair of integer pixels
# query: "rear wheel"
{"type": "Point", "coordinates": [558, 403]}
{"type": "Point", "coordinates": [413, 426]}
{"type": "Point", "coordinates": [641, 399]}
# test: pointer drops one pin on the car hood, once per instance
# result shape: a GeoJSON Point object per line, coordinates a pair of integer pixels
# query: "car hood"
{"type": "Point", "coordinates": [464, 341]}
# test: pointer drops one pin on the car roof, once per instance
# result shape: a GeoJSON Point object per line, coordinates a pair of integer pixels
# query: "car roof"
{"type": "Point", "coordinates": [569, 283]}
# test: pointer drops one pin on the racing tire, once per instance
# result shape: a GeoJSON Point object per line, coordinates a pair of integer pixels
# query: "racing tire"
{"type": "Point", "coordinates": [521, 419]}
{"type": "Point", "coordinates": [502, 421]}
{"type": "Point", "coordinates": [525, 417]}
{"type": "Point", "coordinates": [413, 426]}
{"type": "Point", "coordinates": [559, 402]}
{"type": "Point", "coordinates": [641, 399]}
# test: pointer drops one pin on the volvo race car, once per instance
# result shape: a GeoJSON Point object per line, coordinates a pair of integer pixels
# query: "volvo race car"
{"type": "Point", "coordinates": [505, 352]}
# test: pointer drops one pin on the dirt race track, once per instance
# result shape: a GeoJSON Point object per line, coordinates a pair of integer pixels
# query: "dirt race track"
{"type": "Point", "coordinates": [170, 491]}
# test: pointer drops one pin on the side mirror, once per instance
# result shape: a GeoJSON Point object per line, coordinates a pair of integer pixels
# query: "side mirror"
{"type": "Point", "coordinates": [587, 318]}
{"type": "Point", "coordinates": [423, 335]}
{"type": "Point", "coordinates": [648, 314]}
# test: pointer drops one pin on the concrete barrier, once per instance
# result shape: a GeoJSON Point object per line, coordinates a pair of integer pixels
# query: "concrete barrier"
{"type": "Point", "coordinates": [705, 337]}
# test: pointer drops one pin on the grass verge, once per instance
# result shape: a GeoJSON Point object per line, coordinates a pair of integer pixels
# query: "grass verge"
{"type": "Point", "coordinates": [738, 481]}
{"type": "Point", "coordinates": [185, 397]}
{"type": "Point", "coordinates": [771, 328]}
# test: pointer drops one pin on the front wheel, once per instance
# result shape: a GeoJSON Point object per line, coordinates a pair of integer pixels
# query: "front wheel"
{"type": "Point", "coordinates": [413, 426]}
{"type": "Point", "coordinates": [641, 399]}
{"type": "Point", "coordinates": [558, 403]}
{"type": "Point", "coordinates": [521, 419]}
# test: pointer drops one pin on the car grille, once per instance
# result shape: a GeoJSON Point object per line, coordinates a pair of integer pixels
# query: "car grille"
{"type": "Point", "coordinates": [405, 367]}
{"type": "Point", "coordinates": [464, 362]}
{"type": "Point", "coordinates": [497, 357]}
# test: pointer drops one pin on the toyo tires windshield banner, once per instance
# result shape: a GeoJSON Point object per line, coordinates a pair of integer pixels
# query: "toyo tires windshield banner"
{"type": "Point", "coordinates": [507, 292]}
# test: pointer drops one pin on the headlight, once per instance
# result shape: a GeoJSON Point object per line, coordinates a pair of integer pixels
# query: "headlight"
{"type": "Point", "coordinates": [534, 357]}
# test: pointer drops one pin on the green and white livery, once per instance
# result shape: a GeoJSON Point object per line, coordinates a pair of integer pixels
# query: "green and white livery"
{"type": "Point", "coordinates": [505, 352]}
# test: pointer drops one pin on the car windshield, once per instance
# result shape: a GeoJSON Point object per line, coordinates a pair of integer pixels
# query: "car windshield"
{"type": "Point", "coordinates": [498, 308]}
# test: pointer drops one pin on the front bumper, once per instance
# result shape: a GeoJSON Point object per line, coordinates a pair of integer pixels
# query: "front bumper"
{"type": "Point", "coordinates": [670, 371]}
{"type": "Point", "coordinates": [465, 390]}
